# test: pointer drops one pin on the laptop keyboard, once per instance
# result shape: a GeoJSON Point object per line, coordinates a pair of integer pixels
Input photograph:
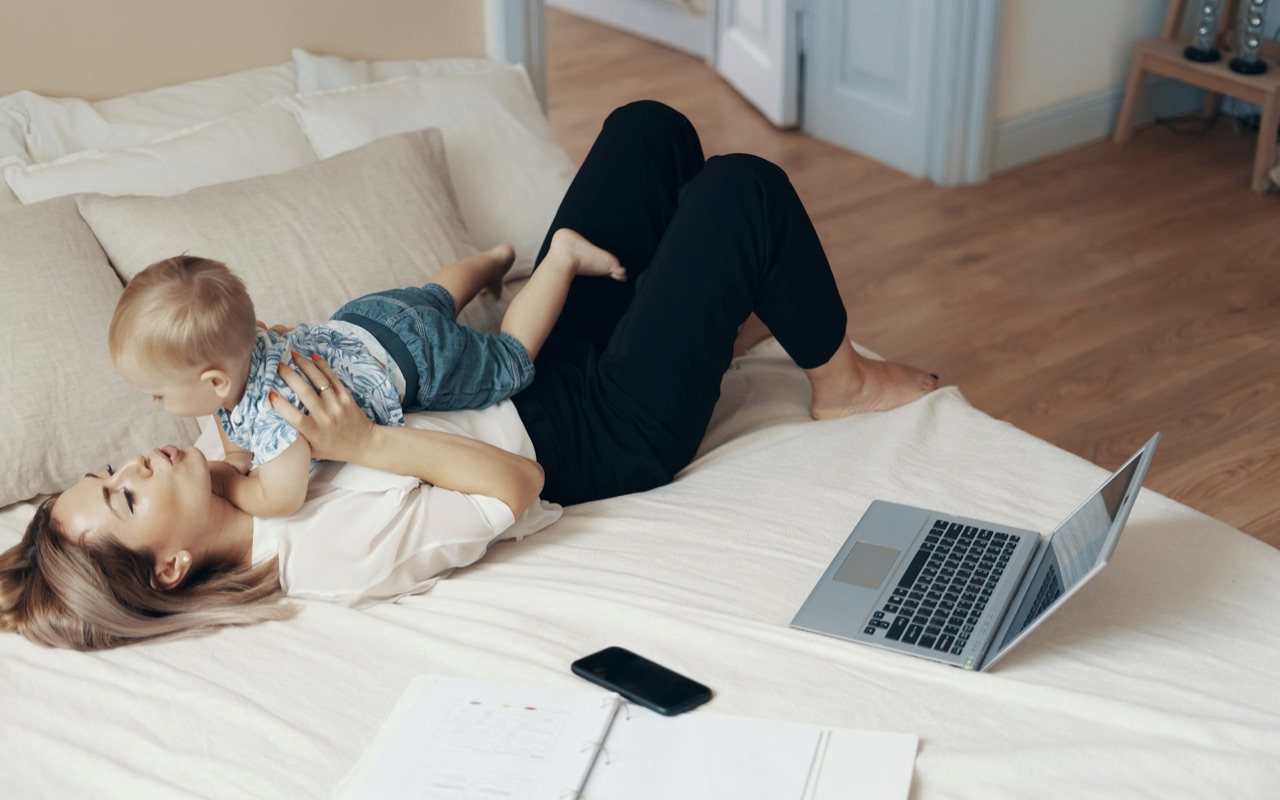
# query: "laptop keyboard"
{"type": "Point", "coordinates": [1050, 590]}
{"type": "Point", "coordinates": [940, 597]}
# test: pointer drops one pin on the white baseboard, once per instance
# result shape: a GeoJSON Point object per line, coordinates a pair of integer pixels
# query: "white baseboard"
{"type": "Point", "coordinates": [1050, 131]}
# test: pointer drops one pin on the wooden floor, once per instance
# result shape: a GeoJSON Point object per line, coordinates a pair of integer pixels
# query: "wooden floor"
{"type": "Point", "coordinates": [1089, 299]}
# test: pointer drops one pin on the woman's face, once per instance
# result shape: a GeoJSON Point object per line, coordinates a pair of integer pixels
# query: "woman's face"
{"type": "Point", "coordinates": [159, 501]}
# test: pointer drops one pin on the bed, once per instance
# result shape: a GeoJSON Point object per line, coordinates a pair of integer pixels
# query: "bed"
{"type": "Point", "coordinates": [1157, 680]}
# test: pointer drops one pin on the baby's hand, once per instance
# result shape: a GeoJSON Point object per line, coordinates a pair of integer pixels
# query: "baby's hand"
{"type": "Point", "coordinates": [280, 329]}
{"type": "Point", "coordinates": [221, 472]}
{"type": "Point", "coordinates": [240, 462]}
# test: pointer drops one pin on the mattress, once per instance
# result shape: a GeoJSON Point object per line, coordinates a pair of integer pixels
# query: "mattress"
{"type": "Point", "coordinates": [1155, 680]}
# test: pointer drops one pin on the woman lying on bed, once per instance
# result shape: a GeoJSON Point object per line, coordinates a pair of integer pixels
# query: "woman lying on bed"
{"type": "Point", "coordinates": [623, 394]}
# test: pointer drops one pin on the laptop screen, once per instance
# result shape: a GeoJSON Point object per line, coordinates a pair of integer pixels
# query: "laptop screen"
{"type": "Point", "coordinates": [1077, 548]}
{"type": "Point", "coordinates": [1077, 543]}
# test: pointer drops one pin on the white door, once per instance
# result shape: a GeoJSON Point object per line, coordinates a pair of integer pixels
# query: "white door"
{"type": "Point", "coordinates": [906, 82]}
{"type": "Point", "coordinates": [758, 53]}
{"type": "Point", "coordinates": [868, 78]}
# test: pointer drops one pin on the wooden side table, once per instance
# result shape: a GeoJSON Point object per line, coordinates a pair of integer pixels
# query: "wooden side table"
{"type": "Point", "coordinates": [1162, 55]}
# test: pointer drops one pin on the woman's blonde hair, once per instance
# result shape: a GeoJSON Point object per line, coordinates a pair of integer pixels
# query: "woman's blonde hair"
{"type": "Point", "coordinates": [91, 595]}
{"type": "Point", "coordinates": [185, 311]}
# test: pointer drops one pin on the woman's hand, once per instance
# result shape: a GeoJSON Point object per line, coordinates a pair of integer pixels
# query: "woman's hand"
{"type": "Point", "coordinates": [334, 425]}
{"type": "Point", "coordinates": [338, 430]}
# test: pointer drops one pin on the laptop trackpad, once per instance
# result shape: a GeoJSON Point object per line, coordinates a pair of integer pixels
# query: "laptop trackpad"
{"type": "Point", "coordinates": [867, 564]}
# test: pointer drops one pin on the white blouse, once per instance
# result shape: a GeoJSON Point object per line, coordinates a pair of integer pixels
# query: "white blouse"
{"type": "Point", "coordinates": [365, 536]}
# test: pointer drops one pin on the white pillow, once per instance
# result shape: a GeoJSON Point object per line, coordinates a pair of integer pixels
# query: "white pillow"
{"type": "Point", "coordinates": [305, 241]}
{"type": "Point", "coordinates": [13, 136]}
{"type": "Point", "coordinates": [261, 141]}
{"type": "Point", "coordinates": [508, 169]}
{"type": "Point", "coordinates": [319, 73]}
{"type": "Point", "coordinates": [55, 127]}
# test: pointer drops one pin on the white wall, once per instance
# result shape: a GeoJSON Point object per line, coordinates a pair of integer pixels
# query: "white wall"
{"type": "Point", "coordinates": [1053, 51]}
{"type": "Point", "coordinates": [1061, 75]}
{"type": "Point", "coordinates": [95, 49]}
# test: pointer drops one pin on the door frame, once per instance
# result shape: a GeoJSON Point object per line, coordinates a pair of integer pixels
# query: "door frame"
{"type": "Point", "coordinates": [962, 125]}
{"type": "Point", "coordinates": [515, 32]}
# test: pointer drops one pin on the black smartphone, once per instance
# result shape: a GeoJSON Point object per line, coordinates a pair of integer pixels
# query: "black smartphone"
{"type": "Point", "coordinates": [642, 681]}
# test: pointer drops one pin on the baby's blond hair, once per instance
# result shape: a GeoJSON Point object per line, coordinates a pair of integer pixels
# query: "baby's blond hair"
{"type": "Point", "coordinates": [183, 312]}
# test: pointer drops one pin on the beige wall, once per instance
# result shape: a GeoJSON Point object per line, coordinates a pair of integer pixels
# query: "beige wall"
{"type": "Point", "coordinates": [1055, 51]}
{"type": "Point", "coordinates": [102, 48]}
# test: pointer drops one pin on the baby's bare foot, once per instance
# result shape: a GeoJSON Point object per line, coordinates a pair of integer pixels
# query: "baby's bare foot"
{"type": "Point", "coordinates": [504, 255]}
{"type": "Point", "coordinates": [585, 256]}
{"type": "Point", "coordinates": [850, 384]}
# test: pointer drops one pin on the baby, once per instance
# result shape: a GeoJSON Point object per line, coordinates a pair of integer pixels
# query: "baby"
{"type": "Point", "coordinates": [185, 333]}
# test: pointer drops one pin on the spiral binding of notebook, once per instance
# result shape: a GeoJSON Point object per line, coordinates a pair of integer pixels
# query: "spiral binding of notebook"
{"type": "Point", "coordinates": [599, 752]}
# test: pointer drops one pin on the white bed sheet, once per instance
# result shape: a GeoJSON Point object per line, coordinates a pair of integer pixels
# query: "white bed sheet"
{"type": "Point", "coordinates": [1157, 680]}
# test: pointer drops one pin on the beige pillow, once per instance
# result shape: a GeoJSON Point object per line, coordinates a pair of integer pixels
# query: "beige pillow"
{"type": "Point", "coordinates": [305, 241]}
{"type": "Point", "coordinates": [64, 410]}
{"type": "Point", "coordinates": [505, 163]}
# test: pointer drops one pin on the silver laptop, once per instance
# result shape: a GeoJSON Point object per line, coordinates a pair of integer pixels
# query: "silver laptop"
{"type": "Point", "coordinates": [963, 591]}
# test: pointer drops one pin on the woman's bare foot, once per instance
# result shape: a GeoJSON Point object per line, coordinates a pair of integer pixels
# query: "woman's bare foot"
{"type": "Point", "coordinates": [503, 256]}
{"type": "Point", "coordinates": [587, 259]}
{"type": "Point", "coordinates": [851, 384]}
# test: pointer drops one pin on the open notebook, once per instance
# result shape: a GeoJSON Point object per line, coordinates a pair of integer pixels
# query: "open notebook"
{"type": "Point", "coordinates": [457, 739]}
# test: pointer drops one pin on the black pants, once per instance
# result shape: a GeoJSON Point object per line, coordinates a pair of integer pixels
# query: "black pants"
{"type": "Point", "coordinates": [626, 383]}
